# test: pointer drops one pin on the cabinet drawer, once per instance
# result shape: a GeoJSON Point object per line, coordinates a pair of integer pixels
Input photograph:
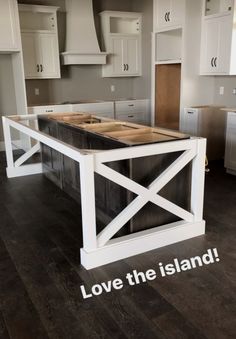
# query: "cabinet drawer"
{"type": "Point", "coordinates": [136, 118]}
{"type": "Point", "coordinates": [49, 109]}
{"type": "Point", "coordinates": [131, 106]}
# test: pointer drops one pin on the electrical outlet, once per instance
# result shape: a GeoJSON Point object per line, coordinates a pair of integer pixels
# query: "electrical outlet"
{"type": "Point", "coordinates": [113, 88]}
{"type": "Point", "coordinates": [222, 90]}
{"type": "Point", "coordinates": [36, 91]}
{"type": "Point", "coordinates": [234, 91]}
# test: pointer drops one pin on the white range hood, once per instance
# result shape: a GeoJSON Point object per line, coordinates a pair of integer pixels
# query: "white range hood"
{"type": "Point", "coordinates": [81, 39]}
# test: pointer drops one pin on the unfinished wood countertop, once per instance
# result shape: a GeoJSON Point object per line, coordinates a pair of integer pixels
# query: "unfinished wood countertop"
{"type": "Point", "coordinates": [122, 131]}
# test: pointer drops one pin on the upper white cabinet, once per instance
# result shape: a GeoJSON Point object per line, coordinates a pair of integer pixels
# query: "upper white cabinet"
{"type": "Point", "coordinates": [9, 41]}
{"type": "Point", "coordinates": [218, 45]}
{"type": "Point", "coordinates": [122, 40]}
{"type": "Point", "coordinates": [39, 41]}
{"type": "Point", "coordinates": [168, 14]}
{"type": "Point", "coordinates": [212, 7]}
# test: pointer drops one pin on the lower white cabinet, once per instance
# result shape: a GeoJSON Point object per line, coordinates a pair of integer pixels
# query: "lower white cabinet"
{"type": "Point", "coordinates": [136, 111]}
{"type": "Point", "coordinates": [230, 149]}
{"type": "Point", "coordinates": [103, 109]}
{"type": "Point", "coordinates": [41, 55]}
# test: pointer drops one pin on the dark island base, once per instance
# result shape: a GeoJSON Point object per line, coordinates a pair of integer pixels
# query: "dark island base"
{"type": "Point", "coordinates": [111, 198]}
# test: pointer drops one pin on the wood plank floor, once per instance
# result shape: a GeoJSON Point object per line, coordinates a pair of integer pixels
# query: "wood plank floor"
{"type": "Point", "coordinates": [40, 272]}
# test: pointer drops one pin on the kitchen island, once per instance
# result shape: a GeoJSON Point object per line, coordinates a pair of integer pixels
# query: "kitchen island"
{"type": "Point", "coordinates": [139, 188]}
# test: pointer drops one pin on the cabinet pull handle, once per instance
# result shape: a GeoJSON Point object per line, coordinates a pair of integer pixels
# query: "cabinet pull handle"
{"type": "Point", "coordinates": [166, 17]}
{"type": "Point", "coordinates": [130, 116]}
{"type": "Point", "coordinates": [215, 59]}
{"type": "Point", "coordinates": [37, 68]}
{"type": "Point", "coordinates": [212, 65]}
{"type": "Point", "coordinates": [131, 105]}
{"type": "Point", "coordinates": [124, 67]}
{"type": "Point", "coordinates": [41, 67]}
{"type": "Point", "coordinates": [190, 112]}
{"type": "Point", "coordinates": [127, 67]}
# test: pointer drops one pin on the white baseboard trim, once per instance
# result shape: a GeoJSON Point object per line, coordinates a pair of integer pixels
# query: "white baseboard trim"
{"type": "Point", "coordinates": [137, 243]}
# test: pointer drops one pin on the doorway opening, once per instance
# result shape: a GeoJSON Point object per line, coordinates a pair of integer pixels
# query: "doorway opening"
{"type": "Point", "coordinates": [167, 95]}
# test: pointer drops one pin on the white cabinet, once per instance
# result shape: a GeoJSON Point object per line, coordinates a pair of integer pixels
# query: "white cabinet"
{"type": "Point", "coordinates": [9, 41]}
{"type": "Point", "coordinates": [124, 57]}
{"type": "Point", "coordinates": [39, 41]}
{"type": "Point", "coordinates": [136, 111]}
{"type": "Point", "coordinates": [104, 109]}
{"type": "Point", "coordinates": [218, 42]}
{"type": "Point", "coordinates": [168, 14]}
{"type": "Point", "coordinates": [212, 7]}
{"type": "Point", "coordinates": [40, 55]}
{"type": "Point", "coordinates": [216, 45]}
{"type": "Point", "coordinates": [122, 40]}
{"type": "Point", "coordinates": [230, 150]}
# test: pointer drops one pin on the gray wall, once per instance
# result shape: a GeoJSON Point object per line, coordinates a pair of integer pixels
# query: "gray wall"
{"type": "Point", "coordinates": [7, 90]}
{"type": "Point", "coordinates": [228, 99]}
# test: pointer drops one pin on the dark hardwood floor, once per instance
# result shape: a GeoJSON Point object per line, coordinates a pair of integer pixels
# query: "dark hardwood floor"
{"type": "Point", "coordinates": [40, 272]}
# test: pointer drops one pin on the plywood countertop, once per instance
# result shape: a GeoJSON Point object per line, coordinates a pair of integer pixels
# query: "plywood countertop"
{"type": "Point", "coordinates": [125, 132]}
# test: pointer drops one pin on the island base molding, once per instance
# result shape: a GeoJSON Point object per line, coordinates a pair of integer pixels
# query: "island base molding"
{"type": "Point", "coordinates": [121, 248]}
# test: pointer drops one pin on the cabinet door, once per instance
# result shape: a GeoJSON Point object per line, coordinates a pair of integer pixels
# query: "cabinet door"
{"type": "Point", "coordinates": [118, 65]}
{"type": "Point", "coordinates": [224, 47]}
{"type": "Point", "coordinates": [49, 55]}
{"type": "Point", "coordinates": [177, 12]}
{"type": "Point", "coordinates": [8, 31]}
{"type": "Point", "coordinates": [162, 13]}
{"type": "Point", "coordinates": [216, 45]}
{"type": "Point", "coordinates": [30, 55]}
{"type": "Point", "coordinates": [210, 42]}
{"type": "Point", "coordinates": [132, 56]}
{"type": "Point", "coordinates": [125, 57]}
